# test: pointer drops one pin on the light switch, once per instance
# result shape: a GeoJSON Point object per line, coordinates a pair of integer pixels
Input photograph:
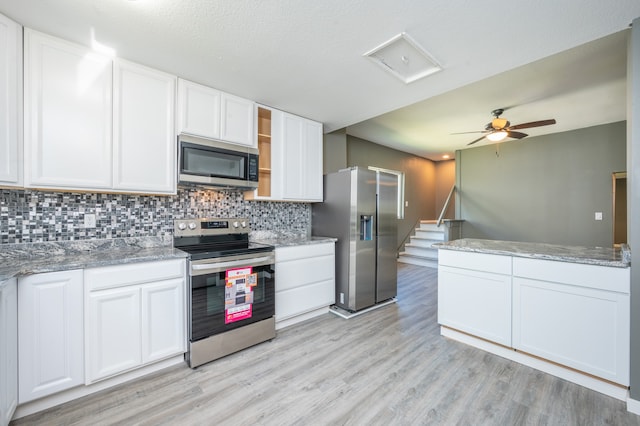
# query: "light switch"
{"type": "Point", "coordinates": [598, 215]}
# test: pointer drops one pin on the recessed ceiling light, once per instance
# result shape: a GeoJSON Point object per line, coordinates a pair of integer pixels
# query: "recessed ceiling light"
{"type": "Point", "coordinates": [404, 58]}
{"type": "Point", "coordinates": [446, 156]}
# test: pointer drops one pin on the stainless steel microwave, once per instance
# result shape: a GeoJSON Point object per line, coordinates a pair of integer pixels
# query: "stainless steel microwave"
{"type": "Point", "coordinates": [216, 163]}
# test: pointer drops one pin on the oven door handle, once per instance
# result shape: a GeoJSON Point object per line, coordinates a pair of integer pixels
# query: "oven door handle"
{"type": "Point", "coordinates": [257, 261]}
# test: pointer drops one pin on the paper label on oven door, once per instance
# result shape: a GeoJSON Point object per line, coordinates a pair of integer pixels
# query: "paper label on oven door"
{"type": "Point", "coordinates": [237, 313]}
{"type": "Point", "coordinates": [238, 294]}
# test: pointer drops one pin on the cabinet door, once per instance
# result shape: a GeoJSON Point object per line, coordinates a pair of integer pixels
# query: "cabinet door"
{"type": "Point", "coordinates": [67, 114]}
{"type": "Point", "coordinates": [144, 144]}
{"type": "Point", "coordinates": [8, 350]}
{"type": "Point", "coordinates": [292, 150]}
{"type": "Point", "coordinates": [302, 159]}
{"type": "Point", "coordinates": [50, 333]}
{"type": "Point", "coordinates": [112, 332]}
{"type": "Point", "coordinates": [237, 120]}
{"type": "Point", "coordinates": [583, 328]}
{"type": "Point", "coordinates": [10, 102]}
{"type": "Point", "coordinates": [163, 319]}
{"type": "Point", "coordinates": [475, 302]}
{"type": "Point", "coordinates": [312, 172]}
{"type": "Point", "coordinates": [198, 110]}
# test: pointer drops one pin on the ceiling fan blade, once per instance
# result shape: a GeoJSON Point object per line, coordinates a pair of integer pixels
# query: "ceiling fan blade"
{"type": "Point", "coordinates": [516, 135]}
{"type": "Point", "coordinates": [477, 140]}
{"type": "Point", "coordinates": [466, 133]}
{"type": "Point", "coordinates": [533, 124]}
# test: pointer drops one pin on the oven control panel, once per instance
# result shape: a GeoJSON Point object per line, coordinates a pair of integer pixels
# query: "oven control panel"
{"type": "Point", "coordinates": [210, 226]}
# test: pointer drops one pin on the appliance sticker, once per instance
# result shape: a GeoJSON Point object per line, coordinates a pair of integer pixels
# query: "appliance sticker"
{"type": "Point", "coordinates": [238, 294]}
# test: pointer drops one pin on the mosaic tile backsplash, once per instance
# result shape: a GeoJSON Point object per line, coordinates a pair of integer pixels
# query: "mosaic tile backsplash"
{"type": "Point", "coordinates": [28, 216]}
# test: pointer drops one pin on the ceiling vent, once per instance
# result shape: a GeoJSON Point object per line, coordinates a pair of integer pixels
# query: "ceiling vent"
{"type": "Point", "coordinates": [404, 58]}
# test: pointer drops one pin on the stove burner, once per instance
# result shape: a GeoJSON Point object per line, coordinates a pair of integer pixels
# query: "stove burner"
{"type": "Point", "coordinates": [209, 238]}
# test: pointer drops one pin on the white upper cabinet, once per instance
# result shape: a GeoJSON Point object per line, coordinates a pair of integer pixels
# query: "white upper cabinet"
{"type": "Point", "coordinates": [198, 110]}
{"type": "Point", "coordinates": [67, 95]}
{"type": "Point", "coordinates": [144, 133]}
{"type": "Point", "coordinates": [237, 120]}
{"type": "Point", "coordinates": [290, 157]}
{"type": "Point", "coordinates": [10, 102]}
{"type": "Point", "coordinates": [95, 123]}
{"type": "Point", "coordinates": [210, 113]}
{"type": "Point", "coordinates": [302, 159]}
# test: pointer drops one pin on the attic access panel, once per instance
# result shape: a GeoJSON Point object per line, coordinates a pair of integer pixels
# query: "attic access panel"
{"type": "Point", "coordinates": [404, 58]}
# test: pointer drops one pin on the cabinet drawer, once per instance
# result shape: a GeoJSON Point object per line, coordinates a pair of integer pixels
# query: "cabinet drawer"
{"type": "Point", "coordinates": [296, 301]}
{"type": "Point", "coordinates": [476, 261]}
{"type": "Point", "coordinates": [133, 273]}
{"type": "Point", "coordinates": [592, 276]}
{"type": "Point", "coordinates": [300, 252]}
{"type": "Point", "coordinates": [304, 271]}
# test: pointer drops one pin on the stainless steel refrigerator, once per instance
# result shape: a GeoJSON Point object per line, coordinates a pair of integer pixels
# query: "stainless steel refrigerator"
{"type": "Point", "coordinates": [360, 210]}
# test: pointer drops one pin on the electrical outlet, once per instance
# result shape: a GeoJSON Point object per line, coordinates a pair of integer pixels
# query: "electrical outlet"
{"type": "Point", "coordinates": [406, 204]}
{"type": "Point", "coordinates": [598, 215]}
{"type": "Point", "coordinates": [89, 220]}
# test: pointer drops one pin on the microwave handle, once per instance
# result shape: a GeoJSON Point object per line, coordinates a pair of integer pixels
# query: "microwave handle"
{"type": "Point", "coordinates": [221, 265]}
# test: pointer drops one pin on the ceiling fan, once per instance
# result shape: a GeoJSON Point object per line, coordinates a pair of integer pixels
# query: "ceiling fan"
{"type": "Point", "coordinates": [500, 128]}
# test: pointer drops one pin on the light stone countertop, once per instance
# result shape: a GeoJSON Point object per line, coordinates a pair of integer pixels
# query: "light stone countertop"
{"type": "Point", "coordinates": [601, 256]}
{"type": "Point", "coordinates": [281, 239]}
{"type": "Point", "coordinates": [34, 258]}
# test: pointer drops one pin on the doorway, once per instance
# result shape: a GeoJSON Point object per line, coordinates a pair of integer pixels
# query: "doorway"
{"type": "Point", "coordinates": [619, 180]}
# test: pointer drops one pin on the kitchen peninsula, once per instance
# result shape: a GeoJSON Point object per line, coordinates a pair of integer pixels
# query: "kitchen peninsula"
{"type": "Point", "coordinates": [560, 309]}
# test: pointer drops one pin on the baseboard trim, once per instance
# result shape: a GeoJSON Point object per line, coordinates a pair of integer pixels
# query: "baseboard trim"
{"type": "Point", "coordinates": [610, 389]}
{"type": "Point", "coordinates": [633, 406]}
{"type": "Point", "coordinates": [78, 392]}
{"type": "Point", "coordinates": [280, 324]}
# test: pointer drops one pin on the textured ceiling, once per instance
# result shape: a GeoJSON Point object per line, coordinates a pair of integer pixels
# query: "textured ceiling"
{"type": "Point", "coordinates": [306, 57]}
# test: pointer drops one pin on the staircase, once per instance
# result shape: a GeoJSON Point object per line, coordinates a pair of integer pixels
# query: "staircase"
{"type": "Point", "coordinates": [418, 250]}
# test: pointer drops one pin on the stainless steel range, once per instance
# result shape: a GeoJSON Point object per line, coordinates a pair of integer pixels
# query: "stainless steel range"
{"type": "Point", "coordinates": [231, 292]}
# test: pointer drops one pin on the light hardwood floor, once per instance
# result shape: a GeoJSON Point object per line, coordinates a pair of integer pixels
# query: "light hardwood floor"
{"type": "Point", "coordinates": [387, 367]}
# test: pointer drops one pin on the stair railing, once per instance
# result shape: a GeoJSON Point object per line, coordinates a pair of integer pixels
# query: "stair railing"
{"type": "Point", "coordinates": [446, 205]}
{"type": "Point", "coordinates": [404, 240]}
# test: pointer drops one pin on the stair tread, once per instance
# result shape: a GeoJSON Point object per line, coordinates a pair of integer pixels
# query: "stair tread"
{"type": "Point", "coordinates": [426, 247]}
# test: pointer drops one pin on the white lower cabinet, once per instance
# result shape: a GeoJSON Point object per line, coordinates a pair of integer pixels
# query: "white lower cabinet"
{"type": "Point", "coordinates": [50, 333]}
{"type": "Point", "coordinates": [579, 319]}
{"type": "Point", "coordinates": [574, 315]}
{"type": "Point", "coordinates": [114, 333]}
{"type": "Point", "coordinates": [476, 300]}
{"type": "Point", "coordinates": [135, 316]}
{"type": "Point", "coordinates": [163, 324]}
{"type": "Point", "coordinates": [305, 279]}
{"type": "Point", "coordinates": [8, 350]}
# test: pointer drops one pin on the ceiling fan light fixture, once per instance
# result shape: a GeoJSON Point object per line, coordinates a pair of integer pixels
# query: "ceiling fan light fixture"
{"type": "Point", "coordinates": [497, 136]}
{"type": "Point", "coordinates": [404, 58]}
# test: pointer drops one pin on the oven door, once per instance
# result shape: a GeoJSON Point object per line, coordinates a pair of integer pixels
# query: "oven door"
{"type": "Point", "coordinates": [230, 292]}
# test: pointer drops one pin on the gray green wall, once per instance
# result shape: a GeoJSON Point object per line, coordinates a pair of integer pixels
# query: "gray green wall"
{"type": "Point", "coordinates": [543, 189]}
{"type": "Point", "coordinates": [420, 178]}
{"type": "Point", "coordinates": [445, 179]}
{"type": "Point", "coordinates": [335, 151]}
